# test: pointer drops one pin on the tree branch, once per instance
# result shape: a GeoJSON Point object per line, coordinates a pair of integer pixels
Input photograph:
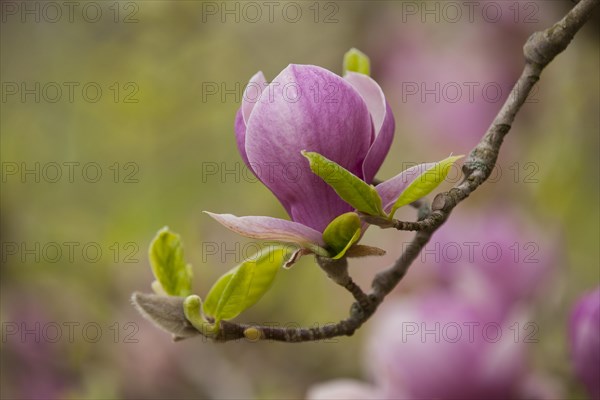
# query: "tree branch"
{"type": "Point", "coordinates": [539, 50]}
{"type": "Point", "coordinates": [337, 271]}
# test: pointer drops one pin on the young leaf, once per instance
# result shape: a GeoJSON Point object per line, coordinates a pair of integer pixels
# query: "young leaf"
{"type": "Point", "coordinates": [352, 240]}
{"type": "Point", "coordinates": [424, 183]}
{"type": "Point", "coordinates": [342, 233]}
{"type": "Point", "coordinates": [168, 265]}
{"type": "Point", "coordinates": [192, 306]}
{"type": "Point", "coordinates": [244, 285]}
{"type": "Point", "coordinates": [354, 191]}
{"type": "Point", "coordinates": [356, 61]}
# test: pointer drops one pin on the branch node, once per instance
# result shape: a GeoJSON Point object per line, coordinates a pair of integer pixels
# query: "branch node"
{"type": "Point", "coordinates": [441, 202]}
{"type": "Point", "coordinates": [336, 270]}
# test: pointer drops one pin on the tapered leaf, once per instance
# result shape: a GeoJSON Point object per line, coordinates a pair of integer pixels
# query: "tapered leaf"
{"type": "Point", "coordinates": [168, 264]}
{"type": "Point", "coordinates": [244, 285]}
{"type": "Point", "coordinates": [425, 183]}
{"type": "Point", "coordinates": [353, 190]}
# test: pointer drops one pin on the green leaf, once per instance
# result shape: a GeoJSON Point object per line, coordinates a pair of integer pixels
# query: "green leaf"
{"type": "Point", "coordinates": [192, 306]}
{"type": "Point", "coordinates": [353, 190]}
{"type": "Point", "coordinates": [424, 183]}
{"type": "Point", "coordinates": [350, 243]}
{"type": "Point", "coordinates": [342, 233]}
{"type": "Point", "coordinates": [357, 61]}
{"type": "Point", "coordinates": [244, 285]}
{"type": "Point", "coordinates": [168, 265]}
{"type": "Point", "coordinates": [213, 297]}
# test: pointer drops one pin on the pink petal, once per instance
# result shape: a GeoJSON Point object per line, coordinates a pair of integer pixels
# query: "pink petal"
{"type": "Point", "coordinates": [307, 108]}
{"type": "Point", "coordinates": [343, 389]}
{"type": "Point", "coordinates": [240, 136]}
{"type": "Point", "coordinates": [268, 228]}
{"type": "Point", "coordinates": [383, 121]}
{"type": "Point", "coordinates": [252, 94]}
{"type": "Point", "coordinates": [391, 189]}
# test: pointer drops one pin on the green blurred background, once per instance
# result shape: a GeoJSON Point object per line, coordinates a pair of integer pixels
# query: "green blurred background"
{"type": "Point", "coordinates": [154, 133]}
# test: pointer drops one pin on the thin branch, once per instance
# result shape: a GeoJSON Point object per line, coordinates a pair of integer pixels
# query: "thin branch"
{"type": "Point", "coordinates": [539, 50]}
{"type": "Point", "coordinates": [423, 211]}
{"type": "Point", "coordinates": [337, 271]}
{"type": "Point", "coordinates": [385, 223]}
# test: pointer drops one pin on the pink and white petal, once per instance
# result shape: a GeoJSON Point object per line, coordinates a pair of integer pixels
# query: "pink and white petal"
{"type": "Point", "coordinates": [390, 190]}
{"type": "Point", "coordinates": [268, 228]}
{"type": "Point", "coordinates": [383, 121]}
{"type": "Point", "coordinates": [240, 136]}
{"type": "Point", "coordinates": [252, 94]}
{"type": "Point", "coordinates": [372, 94]}
{"type": "Point", "coordinates": [344, 389]}
{"type": "Point", "coordinates": [308, 108]}
{"type": "Point", "coordinates": [380, 147]}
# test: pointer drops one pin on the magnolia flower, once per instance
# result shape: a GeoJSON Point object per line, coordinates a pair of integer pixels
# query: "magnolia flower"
{"type": "Point", "coordinates": [584, 335]}
{"type": "Point", "coordinates": [440, 346]}
{"type": "Point", "coordinates": [308, 108]}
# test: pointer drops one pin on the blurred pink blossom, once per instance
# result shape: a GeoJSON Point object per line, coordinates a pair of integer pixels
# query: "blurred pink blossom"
{"type": "Point", "coordinates": [467, 335]}
{"type": "Point", "coordinates": [497, 259]}
{"type": "Point", "coordinates": [438, 345]}
{"type": "Point", "coordinates": [584, 335]}
{"type": "Point", "coordinates": [450, 89]}
{"type": "Point", "coordinates": [345, 389]}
